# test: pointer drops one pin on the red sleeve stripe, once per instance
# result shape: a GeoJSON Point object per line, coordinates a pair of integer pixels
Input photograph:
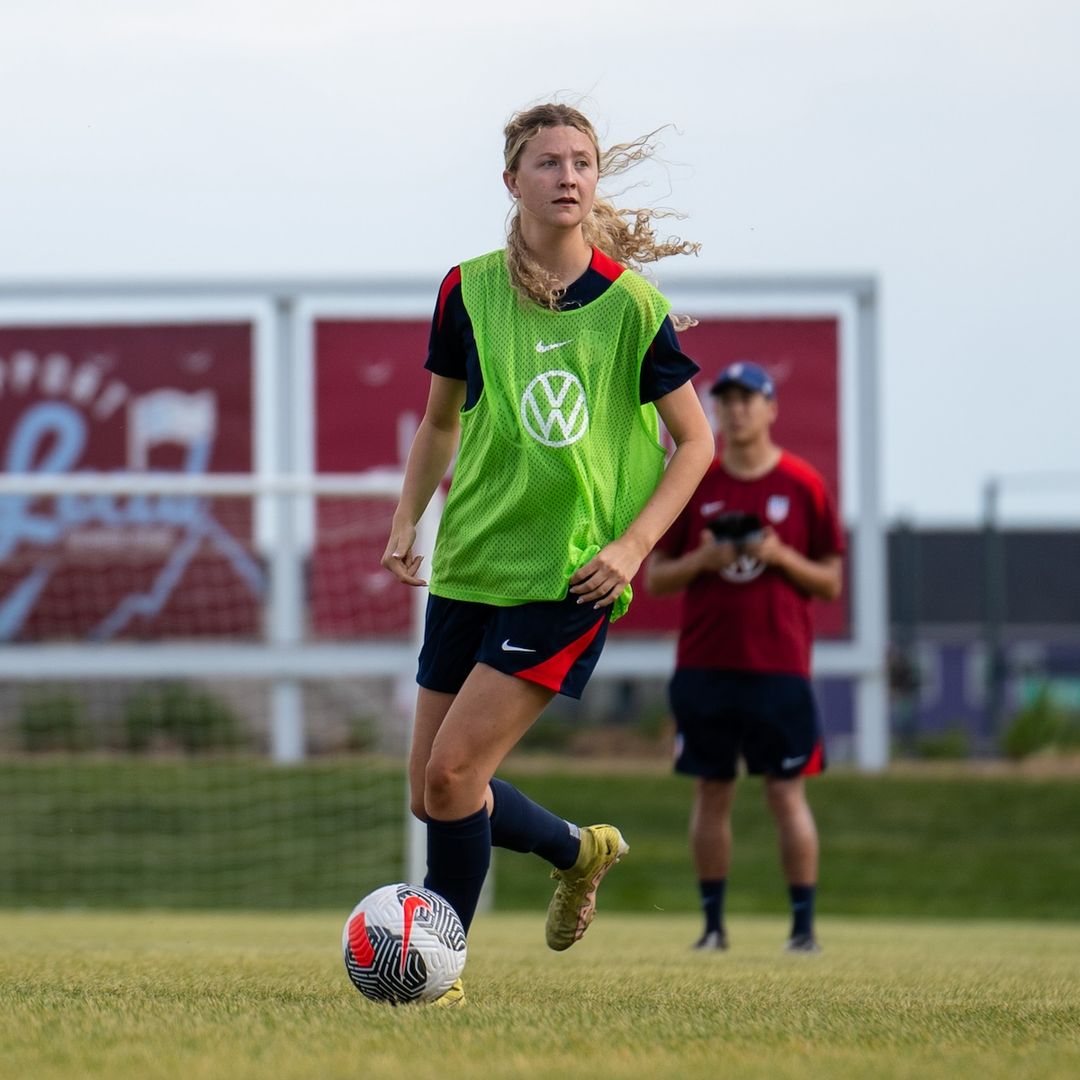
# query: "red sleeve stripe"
{"type": "Point", "coordinates": [605, 265]}
{"type": "Point", "coordinates": [816, 765]}
{"type": "Point", "coordinates": [810, 478]}
{"type": "Point", "coordinates": [450, 283]}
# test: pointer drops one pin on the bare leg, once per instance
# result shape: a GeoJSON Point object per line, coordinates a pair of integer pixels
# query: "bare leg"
{"type": "Point", "coordinates": [710, 828]}
{"type": "Point", "coordinates": [431, 710]}
{"type": "Point", "coordinates": [477, 729]}
{"type": "Point", "coordinates": [798, 855]}
{"type": "Point", "coordinates": [796, 828]}
{"type": "Point", "coordinates": [459, 742]}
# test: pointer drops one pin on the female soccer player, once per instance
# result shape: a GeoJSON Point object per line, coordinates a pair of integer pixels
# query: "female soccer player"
{"type": "Point", "coordinates": [549, 362]}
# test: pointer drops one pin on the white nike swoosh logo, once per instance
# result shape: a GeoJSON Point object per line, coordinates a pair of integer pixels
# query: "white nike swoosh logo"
{"type": "Point", "coordinates": [711, 508]}
{"type": "Point", "coordinates": [542, 348]}
{"type": "Point", "coordinates": [791, 762]}
{"type": "Point", "coordinates": [507, 647]}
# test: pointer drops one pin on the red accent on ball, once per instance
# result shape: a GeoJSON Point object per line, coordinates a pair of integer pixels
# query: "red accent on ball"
{"type": "Point", "coordinates": [360, 943]}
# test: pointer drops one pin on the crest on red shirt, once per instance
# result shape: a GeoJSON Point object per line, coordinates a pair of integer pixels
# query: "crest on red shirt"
{"type": "Point", "coordinates": [776, 508]}
{"type": "Point", "coordinates": [745, 568]}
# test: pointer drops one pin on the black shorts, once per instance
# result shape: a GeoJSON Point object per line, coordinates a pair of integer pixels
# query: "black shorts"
{"type": "Point", "coordinates": [555, 643]}
{"type": "Point", "coordinates": [771, 721]}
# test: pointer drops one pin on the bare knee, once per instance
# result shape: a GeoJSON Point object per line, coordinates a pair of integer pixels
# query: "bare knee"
{"type": "Point", "coordinates": [786, 798]}
{"type": "Point", "coordinates": [715, 797]}
{"type": "Point", "coordinates": [440, 779]}
{"type": "Point", "coordinates": [448, 784]}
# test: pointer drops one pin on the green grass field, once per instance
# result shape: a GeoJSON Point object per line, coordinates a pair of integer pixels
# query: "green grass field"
{"type": "Point", "coordinates": [156, 995]}
{"type": "Point", "coordinates": [948, 914]}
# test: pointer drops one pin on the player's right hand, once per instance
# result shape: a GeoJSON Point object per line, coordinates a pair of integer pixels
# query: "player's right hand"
{"type": "Point", "coordinates": [399, 559]}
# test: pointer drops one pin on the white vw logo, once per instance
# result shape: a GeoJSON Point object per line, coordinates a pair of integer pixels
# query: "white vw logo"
{"type": "Point", "coordinates": [553, 408]}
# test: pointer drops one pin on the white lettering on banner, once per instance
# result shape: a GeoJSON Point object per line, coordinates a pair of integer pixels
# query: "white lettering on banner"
{"type": "Point", "coordinates": [169, 416]}
{"type": "Point", "coordinates": [24, 365]}
{"type": "Point", "coordinates": [55, 375]}
{"type": "Point", "coordinates": [49, 439]}
{"type": "Point", "coordinates": [87, 380]}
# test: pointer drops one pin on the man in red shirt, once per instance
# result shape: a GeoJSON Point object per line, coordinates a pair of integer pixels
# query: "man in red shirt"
{"type": "Point", "coordinates": [757, 541]}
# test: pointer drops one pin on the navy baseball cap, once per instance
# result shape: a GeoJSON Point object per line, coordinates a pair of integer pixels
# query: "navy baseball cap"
{"type": "Point", "coordinates": [748, 375]}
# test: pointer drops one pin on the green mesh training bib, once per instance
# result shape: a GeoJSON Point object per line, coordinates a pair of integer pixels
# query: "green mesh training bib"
{"type": "Point", "coordinates": [558, 456]}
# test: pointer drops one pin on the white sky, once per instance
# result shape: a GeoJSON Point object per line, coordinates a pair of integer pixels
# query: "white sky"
{"type": "Point", "coordinates": [933, 144]}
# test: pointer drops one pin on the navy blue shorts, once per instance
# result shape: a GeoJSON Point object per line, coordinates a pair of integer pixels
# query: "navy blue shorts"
{"type": "Point", "coordinates": [771, 721]}
{"type": "Point", "coordinates": [555, 643]}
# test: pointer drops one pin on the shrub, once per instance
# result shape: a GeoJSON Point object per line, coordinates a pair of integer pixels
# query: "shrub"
{"type": "Point", "coordinates": [949, 745]}
{"type": "Point", "coordinates": [654, 723]}
{"type": "Point", "coordinates": [1069, 739]}
{"type": "Point", "coordinates": [1035, 727]}
{"type": "Point", "coordinates": [141, 721]}
{"type": "Point", "coordinates": [52, 722]}
{"type": "Point", "coordinates": [363, 734]}
{"type": "Point", "coordinates": [550, 734]}
{"type": "Point", "coordinates": [176, 714]}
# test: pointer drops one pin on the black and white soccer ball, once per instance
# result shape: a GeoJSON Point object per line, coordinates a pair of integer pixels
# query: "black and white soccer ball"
{"type": "Point", "coordinates": [403, 945]}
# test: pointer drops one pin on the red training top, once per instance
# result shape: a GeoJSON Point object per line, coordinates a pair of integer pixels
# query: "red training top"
{"type": "Point", "coordinates": [751, 617]}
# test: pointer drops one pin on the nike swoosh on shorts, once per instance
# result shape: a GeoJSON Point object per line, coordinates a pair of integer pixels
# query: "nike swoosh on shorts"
{"type": "Point", "coordinates": [507, 647]}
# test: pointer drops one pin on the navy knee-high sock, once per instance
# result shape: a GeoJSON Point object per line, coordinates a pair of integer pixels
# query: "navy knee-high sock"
{"type": "Point", "coordinates": [458, 857]}
{"type": "Point", "coordinates": [712, 902]}
{"type": "Point", "coordinates": [802, 908]}
{"type": "Point", "coordinates": [520, 824]}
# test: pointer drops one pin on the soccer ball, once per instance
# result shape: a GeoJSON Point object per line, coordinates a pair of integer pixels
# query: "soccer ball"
{"type": "Point", "coordinates": [403, 945]}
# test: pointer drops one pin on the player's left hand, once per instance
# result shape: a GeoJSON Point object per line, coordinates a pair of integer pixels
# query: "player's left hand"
{"type": "Point", "coordinates": [603, 578]}
{"type": "Point", "coordinates": [769, 549]}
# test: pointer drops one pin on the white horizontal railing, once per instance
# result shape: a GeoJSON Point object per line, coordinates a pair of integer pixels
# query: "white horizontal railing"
{"type": "Point", "coordinates": [221, 485]}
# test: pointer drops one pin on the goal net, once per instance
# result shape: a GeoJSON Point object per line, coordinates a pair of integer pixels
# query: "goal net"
{"type": "Point", "coordinates": [205, 691]}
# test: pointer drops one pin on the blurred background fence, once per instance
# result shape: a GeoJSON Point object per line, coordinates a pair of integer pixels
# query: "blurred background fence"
{"type": "Point", "coordinates": [206, 679]}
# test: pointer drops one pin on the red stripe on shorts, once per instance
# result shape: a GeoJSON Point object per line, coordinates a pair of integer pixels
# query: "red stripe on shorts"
{"type": "Point", "coordinates": [813, 766]}
{"type": "Point", "coordinates": [551, 672]}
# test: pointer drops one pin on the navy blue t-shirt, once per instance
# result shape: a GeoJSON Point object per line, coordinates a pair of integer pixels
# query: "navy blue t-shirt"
{"type": "Point", "coordinates": [452, 349]}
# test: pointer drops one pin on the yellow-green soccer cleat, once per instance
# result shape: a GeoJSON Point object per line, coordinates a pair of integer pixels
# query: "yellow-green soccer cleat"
{"type": "Point", "coordinates": [574, 904]}
{"type": "Point", "coordinates": [453, 997]}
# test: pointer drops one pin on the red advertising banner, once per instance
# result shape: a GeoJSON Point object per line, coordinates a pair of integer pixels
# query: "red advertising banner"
{"type": "Point", "coordinates": [803, 358]}
{"type": "Point", "coordinates": [122, 399]}
{"type": "Point", "coordinates": [370, 390]}
{"type": "Point", "coordinates": [179, 397]}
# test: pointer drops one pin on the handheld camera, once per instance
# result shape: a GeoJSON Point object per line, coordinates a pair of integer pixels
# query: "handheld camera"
{"type": "Point", "coordinates": [736, 527]}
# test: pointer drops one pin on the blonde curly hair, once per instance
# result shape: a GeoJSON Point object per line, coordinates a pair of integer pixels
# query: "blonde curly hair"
{"type": "Point", "coordinates": [627, 236]}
